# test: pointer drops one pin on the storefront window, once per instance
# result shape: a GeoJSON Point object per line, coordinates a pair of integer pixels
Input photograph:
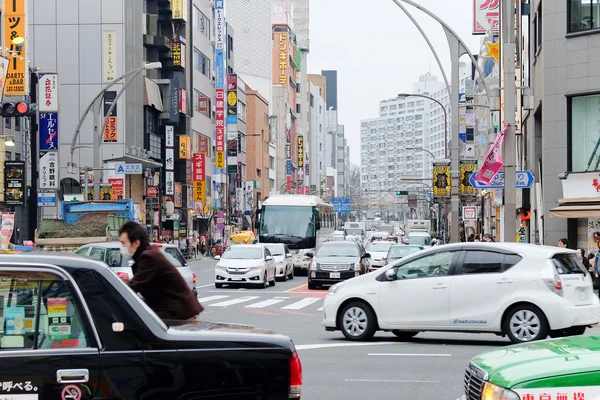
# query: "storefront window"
{"type": "Point", "coordinates": [585, 132]}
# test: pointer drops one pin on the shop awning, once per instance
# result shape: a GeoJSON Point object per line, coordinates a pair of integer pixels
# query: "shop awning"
{"type": "Point", "coordinates": [577, 208]}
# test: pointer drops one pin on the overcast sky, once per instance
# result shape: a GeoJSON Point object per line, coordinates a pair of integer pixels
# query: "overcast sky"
{"type": "Point", "coordinates": [378, 52]}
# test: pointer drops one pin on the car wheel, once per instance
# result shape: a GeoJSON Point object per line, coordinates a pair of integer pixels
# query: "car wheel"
{"type": "Point", "coordinates": [272, 283]}
{"type": "Point", "coordinates": [291, 273]}
{"type": "Point", "coordinates": [218, 285]}
{"type": "Point", "coordinates": [573, 331]}
{"type": "Point", "coordinates": [357, 321]}
{"type": "Point", "coordinates": [312, 285]}
{"type": "Point", "coordinates": [525, 323]}
{"type": "Point", "coordinates": [285, 276]}
{"type": "Point", "coordinates": [404, 335]}
{"type": "Point", "coordinates": [265, 283]}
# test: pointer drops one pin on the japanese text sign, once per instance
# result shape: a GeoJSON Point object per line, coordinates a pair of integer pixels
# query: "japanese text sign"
{"type": "Point", "coordinates": [283, 58]}
{"type": "Point", "coordinates": [109, 52]}
{"type": "Point", "coordinates": [48, 130]}
{"type": "Point", "coordinates": [49, 170]}
{"type": "Point", "coordinates": [199, 191]}
{"type": "Point", "coordinates": [15, 27]}
{"type": "Point", "coordinates": [300, 151]}
{"type": "Point", "coordinates": [184, 147]}
{"type": "Point", "coordinates": [486, 13]}
{"type": "Point", "coordinates": [48, 93]}
{"type": "Point", "coordinates": [199, 168]}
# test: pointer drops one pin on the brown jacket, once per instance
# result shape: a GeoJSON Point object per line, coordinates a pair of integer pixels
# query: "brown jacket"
{"type": "Point", "coordinates": [162, 286]}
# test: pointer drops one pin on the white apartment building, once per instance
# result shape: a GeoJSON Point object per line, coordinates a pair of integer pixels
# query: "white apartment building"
{"type": "Point", "coordinates": [318, 167]}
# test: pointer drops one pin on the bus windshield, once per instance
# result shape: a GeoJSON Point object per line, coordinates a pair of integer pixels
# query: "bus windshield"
{"type": "Point", "coordinates": [296, 223]}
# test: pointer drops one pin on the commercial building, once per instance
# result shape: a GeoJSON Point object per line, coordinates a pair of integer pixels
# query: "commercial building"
{"type": "Point", "coordinates": [258, 144]}
{"type": "Point", "coordinates": [317, 123]}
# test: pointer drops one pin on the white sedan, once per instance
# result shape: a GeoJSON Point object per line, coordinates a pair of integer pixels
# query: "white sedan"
{"type": "Point", "coordinates": [522, 291]}
{"type": "Point", "coordinates": [284, 267]}
{"type": "Point", "coordinates": [245, 264]}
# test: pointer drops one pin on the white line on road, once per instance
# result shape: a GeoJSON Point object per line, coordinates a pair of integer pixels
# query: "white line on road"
{"type": "Point", "coordinates": [301, 304]}
{"type": "Point", "coordinates": [265, 303]}
{"type": "Point", "coordinates": [409, 355]}
{"type": "Point", "coordinates": [331, 345]}
{"type": "Point", "coordinates": [234, 301]}
{"type": "Point", "coordinates": [389, 381]}
{"type": "Point", "coordinates": [211, 298]}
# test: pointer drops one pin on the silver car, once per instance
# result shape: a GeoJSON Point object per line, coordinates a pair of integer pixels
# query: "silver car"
{"type": "Point", "coordinates": [284, 267]}
{"type": "Point", "coordinates": [110, 253]}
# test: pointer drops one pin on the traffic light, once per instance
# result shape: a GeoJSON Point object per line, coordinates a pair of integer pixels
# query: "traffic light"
{"type": "Point", "coordinates": [17, 109]}
{"type": "Point", "coordinates": [401, 193]}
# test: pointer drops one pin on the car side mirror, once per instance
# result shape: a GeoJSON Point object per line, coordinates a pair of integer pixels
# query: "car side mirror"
{"type": "Point", "coordinates": [390, 275]}
{"type": "Point", "coordinates": [318, 225]}
{"type": "Point", "coordinates": [309, 255]}
{"type": "Point", "coordinates": [288, 255]}
{"type": "Point", "coordinates": [217, 258]}
{"type": "Point", "coordinates": [366, 255]}
{"type": "Point", "coordinates": [268, 258]}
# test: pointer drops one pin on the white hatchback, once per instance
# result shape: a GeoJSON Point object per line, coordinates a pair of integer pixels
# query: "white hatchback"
{"type": "Point", "coordinates": [284, 267]}
{"type": "Point", "coordinates": [522, 291]}
{"type": "Point", "coordinates": [245, 264]}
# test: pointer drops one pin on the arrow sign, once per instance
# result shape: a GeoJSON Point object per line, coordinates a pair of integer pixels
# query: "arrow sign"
{"type": "Point", "coordinates": [524, 180]}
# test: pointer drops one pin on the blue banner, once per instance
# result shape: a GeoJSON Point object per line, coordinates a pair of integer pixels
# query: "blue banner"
{"type": "Point", "coordinates": [48, 131]}
{"type": "Point", "coordinates": [220, 72]}
{"type": "Point", "coordinates": [288, 167]}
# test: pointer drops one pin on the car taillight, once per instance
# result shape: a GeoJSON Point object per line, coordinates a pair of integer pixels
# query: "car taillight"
{"type": "Point", "coordinates": [552, 278]}
{"type": "Point", "coordinates": [123, 276]}
{"type": "Point", "coordinates": [194, 275]}
{"type": "Point", "coordinates": [295, 377]}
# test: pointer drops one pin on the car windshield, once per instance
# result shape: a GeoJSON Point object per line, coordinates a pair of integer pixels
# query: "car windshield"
{"type": "Point", "coordinates": [115, 260]}
{"type": "Point", "coordinates": [338, 250]}
{"type": "Point", "coordinates": [421, 240]}
{"type": "Point", "coordinates": [242, 253]}
{"type": "Point", "coordinates": [276, 250]}
{"type": "Point", "coordinates": [287, 220]}
{"type": "Point", "coordinates": [397, 252]}
{"type": "Point", "coordinates": [379, 247]}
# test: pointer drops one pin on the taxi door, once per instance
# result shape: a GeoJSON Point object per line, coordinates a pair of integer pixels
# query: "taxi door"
{"type": "Point", "coordinates": [48, 348]}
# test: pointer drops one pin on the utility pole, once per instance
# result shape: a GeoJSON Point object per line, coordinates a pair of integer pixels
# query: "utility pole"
{"type": "Point", "coordinates": [456, 51]}
{"type": "Point", "coordinates": [33, 144]}
{"type": "Point", "coordinates": [507, 22]}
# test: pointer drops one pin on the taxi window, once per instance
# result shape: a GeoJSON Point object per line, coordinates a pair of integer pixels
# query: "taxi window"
{"type": "Point", "coordinates": [82, 251]}
{"type": "Point", "coordinates": [38, 311]}
{"type": "Point", "coordinates": [97, 253]}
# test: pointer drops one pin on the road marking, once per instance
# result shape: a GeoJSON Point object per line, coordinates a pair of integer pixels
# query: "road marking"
{"type": "Point", "coordinates": [297, 287]}
{"type": "Point", "coordinates": [265, 303]}
{"type": "Point", "coordinates": [409, 355]}
{"type": "Point", "coordinates": [349, 344]}
{"type": "Point", "coordinates": [233, 301]}
{"type": "Point", "coordinates": [301, 304]}
{"type": "Point", "coordinates": [210, 284]}
{"type": "Point", "coordinates": [389, 381]}
{"type": "Point", "coordinates": [211, 298]}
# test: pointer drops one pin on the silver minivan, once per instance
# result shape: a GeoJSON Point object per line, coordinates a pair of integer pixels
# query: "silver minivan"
{"type": "Point", "coordinates": [110, 253]}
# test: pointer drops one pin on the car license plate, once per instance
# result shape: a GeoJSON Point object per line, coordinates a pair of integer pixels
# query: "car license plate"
{"type": "Point", "coordinates": [334, 275]}
{"type": "Point", "coordinates": [583, 294]}
{"type": "Point", "coordinates": [236, 279]}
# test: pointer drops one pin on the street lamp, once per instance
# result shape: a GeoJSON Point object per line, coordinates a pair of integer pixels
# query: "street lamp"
{"type": "Point", "coordinates": [421, 149]}
{"type": "Point", "coordinates": [96, 105]}
{"type": "Point", "coordinates": [405, 95]}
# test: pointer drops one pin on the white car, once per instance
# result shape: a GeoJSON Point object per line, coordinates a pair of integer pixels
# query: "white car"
{"type": "Point", "coordinates": [284, 267]}
{"type": "Point", "coordinates": [245, 264]}
{"type": "Point", "coordinates": [523, 291]}
{"type": "Point", "coordinates": [378, 251]}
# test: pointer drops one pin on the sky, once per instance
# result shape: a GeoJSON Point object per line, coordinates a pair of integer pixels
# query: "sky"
{"type": "Point", "coordinates": [378, 52]}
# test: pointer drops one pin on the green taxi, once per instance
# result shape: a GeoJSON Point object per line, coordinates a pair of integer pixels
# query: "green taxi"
{"type": "Point", "coordinates": [559, 369]}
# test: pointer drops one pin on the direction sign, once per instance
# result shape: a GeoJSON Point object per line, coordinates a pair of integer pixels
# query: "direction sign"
{"type": "Point", "coordinates": [524, 180]}
{"type": "Point", "coordinates": [129, 169]}
{"type": "Point", "coordinates": [340, 200]}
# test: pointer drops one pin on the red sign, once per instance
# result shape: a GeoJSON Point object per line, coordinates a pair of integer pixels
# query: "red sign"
{"type": "Point", "coordinates": [152, 191]}
{"type": "Point", "coordinates": [203, 145]}
{"type": "Point", "coordinates": [203, 104]}
{"type": "Point", "coordinates": [220, 119]}
{"type": "Point", "coordinates": [183, 101]}
{"type": "Point", "coordinates": [232, 82]}
{"type": "Point", "coordinates": [199, 169]}
{"type": "Point", "coordinates": [288, 182]}
{"type": "Point", "coordinates": [301, 190]}
{"type": "Point", "coordinates": [118, 188]}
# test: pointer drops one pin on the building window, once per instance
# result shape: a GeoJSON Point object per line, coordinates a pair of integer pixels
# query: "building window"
{"type": "Point", "coordinates": [537, 31]}
{"type": "Point", "coordinates": [201, 22]}
{"type": "Point", "coordinates": [585, 116]}
{"type": "Point", "coordinates": [242, 111]}
{"type": "Point", "coordinates": [155, 146]}
{"type": "Point", "coordinates": [229, 47]}
{"type": "Point", "coordinates": [583, 15]}
{"type": "Point", "coordinates": [8, 156]}
{"type": "Point", "coordinates": [272, 162]}
{"type": "Point", "coordinates": [7, 123]}
{"type": "Point", "coordinates": [258, 172]}
{"type": "Point", "coordinates": [18, 124]}
{"type": "Point", "coordinates": [17, 156]}
{"type": "Point", "coordinates": [201, 62]}
{"type": "Point", "coordinates": [202, 103]}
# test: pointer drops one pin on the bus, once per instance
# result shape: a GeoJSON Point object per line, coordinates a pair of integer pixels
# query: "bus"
{"type": "Point", "coordinates": [301, 222]}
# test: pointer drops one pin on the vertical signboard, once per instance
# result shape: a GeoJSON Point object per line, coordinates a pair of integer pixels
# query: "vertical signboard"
{"type": "Point", "coordinates": [466, 169]}
{"type": "Point", "coordinates": [48, 131]}
{"type": "Point", "coordinates": [288, 159]}
{"type": "Point", "coordinates": [48, 93]}
{"type": "Point", "coordinates": [118, 188]}
{"type": "Point", "coordinates": [203, 145]}
{"type": "Point", "coordinates": [169, 160]}
{"type": "Point", "coordinates": [441, 182]}
{"type": "Point", "coordinates": [486, 14]}
{"type": "Point", "coordinates": [199, 172]}
{"type": "Point", "coordinates": [111, 133]}
{"type": "Point", "coordinates": [283, 58]}
{"type": "Point", "coordinates": [14, 183]}
{"type": "Point", "coordinates": [184, 147]}
{"type": "Point", "coordinates": [232, 100]}
{"type": "Point", "coordinates": [48, 167]}
{"type": "Point", "coordinates": [109, 56]}
{"type": "Point", "coordinates": [220, 128]}
{"type": "Point", "coordinates": [220, 84]}
{"type": "Point", "coordinates": [13, 15]}
{"type": "Point", "coordinates": [300, 152]}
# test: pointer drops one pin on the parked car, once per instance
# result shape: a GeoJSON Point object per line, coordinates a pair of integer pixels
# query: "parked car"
{"type": "Point", "coordinates": [245, 264]}
{"type": "Point", "coordinates": [522, 291]}
{"type": "Point", "coordinates": [78, 331]}
{"type": "Point", "coordinates": [398, 251]}
{"type": "Point", "coordinates": [378, 251]}
{"type": "Point", "coordinates": [284, 267]}
{"type": "Point", "coordinates": [551, 369]}
{"type": "Point", "coordinates": [109, 252]}
{"type": "Point", "coordinates": [337, 261]}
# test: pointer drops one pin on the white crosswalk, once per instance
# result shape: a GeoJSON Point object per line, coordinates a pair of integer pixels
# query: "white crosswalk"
{"type": "Point", "coordinates": [258, 302]}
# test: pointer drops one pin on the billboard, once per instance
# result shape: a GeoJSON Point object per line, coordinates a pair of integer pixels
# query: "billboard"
{"type": "Point", "coordinates": [17, 77]}
{"type": "Point", "coordinates": [486, 14]}
{"type": "Point", "coordinates": [441, 181]}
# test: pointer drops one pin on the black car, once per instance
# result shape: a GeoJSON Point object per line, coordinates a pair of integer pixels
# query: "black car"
{"type": "Point", "coordinates": [72, 329]}
{"type": "Point", "coordinates": [337, 261]}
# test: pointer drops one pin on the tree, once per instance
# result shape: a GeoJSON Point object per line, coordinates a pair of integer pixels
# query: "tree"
{"type": "Point", "coordinates": [354, 179]}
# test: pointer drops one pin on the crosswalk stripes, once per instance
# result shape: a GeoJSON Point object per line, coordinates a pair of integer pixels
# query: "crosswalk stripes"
{"type": "Point", "coordinates": [258, 302]}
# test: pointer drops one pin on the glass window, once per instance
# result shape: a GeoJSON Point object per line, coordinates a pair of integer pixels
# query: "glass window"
{"type": "Point", "coordinates": [567, 264]}
{"type": "Point", "coordinates": [82, 251]}
{"type": "Point", "coordinates": [97, 253]}
{"type": "Point", "coordinates": [437, 264]}
{"type": "Point", "coordinates": [155, 145]}
{"type": "Point", "coordinates": [242, 253]}
{"type": "Point", "coordinates": [201, 62]}
{"type": "Point", "coordinates": [38, 311]}
{"type": "Point", "coordinates": [379, 247]}
{"type": "Point", "coordinates": [275, 249]}
{"type": "Point", "coordinates": [482, 262]}
{"type": "Point", "coordinates": [583, 15]}
{"type": "Point", "coordinates": [174, 255]}
{"type": "Point", "coordinates": [397, 252]}
{"type": "Point", "coordinates": [287, 221]}
{"type": "Point", "coordinates": [338, 250]}
{"type": "Point", "coordinates": [585, 114]}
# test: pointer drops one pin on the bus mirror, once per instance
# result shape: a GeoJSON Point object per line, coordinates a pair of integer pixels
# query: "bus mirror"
{"type": "Point", "coordinates": [257, 224]}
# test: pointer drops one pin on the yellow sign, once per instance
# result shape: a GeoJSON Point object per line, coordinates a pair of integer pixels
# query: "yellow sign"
{"type": "Point", "coordinates": [199, 191]}
{"type": "Point", "coordinates": [184, 147]}
{"type": "Point", "coordinates": [14, 27]}
{"type": "Point", "coordinates": [466, 170]}
{"type": "Point", "coordinates": [232, 99]}
{"type": "Point", "coordinates": [176, 54]}
{"type": "Point", "coordinates": [207, 206]}
{"type": "Point", "coordinates": [220, 160]}
{"type": "Point", "coordinates": [493, 51]}
{"type": "Point", "coordinates": [283, 58]}
{"type": "Point", "coordinates": [177, 9]}
{"type": "Point", "coordinates": [300, 151]}
{"type": "Point", "coordinates": [441, 181]}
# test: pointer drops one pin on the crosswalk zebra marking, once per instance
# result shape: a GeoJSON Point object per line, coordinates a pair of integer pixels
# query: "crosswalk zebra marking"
{"type": "Point", "coordinates": [211, 298]}
{"type": "Point", "coordinates": [301, 304]}
{"type": "Point", "coordinates": [234, 301]}
{"type": "Point", "coordinates": [265, 303]}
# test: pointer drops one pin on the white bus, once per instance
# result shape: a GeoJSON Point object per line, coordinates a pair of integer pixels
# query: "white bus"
{"type": "Point", "coordinates": [301, 222]}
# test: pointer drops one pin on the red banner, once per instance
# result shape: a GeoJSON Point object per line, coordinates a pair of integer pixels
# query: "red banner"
{"type": "Point", "coordinates": [492, 163]}
{"type": "Point", "coordinates": [220, 118]}
{"type": "Point", "coordinates": [199, 168]}
{"type": "Point", "coordinates": [289, 182]}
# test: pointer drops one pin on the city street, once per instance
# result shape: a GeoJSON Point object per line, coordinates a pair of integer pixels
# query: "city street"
{"type": "Point", "coordinates": [429, 367]}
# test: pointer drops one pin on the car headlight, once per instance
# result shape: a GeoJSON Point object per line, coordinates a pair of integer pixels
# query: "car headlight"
{"type": "Point", "coordinates": [357, 266]}
{"type": "Point", "coordinates": [494, 392]}
{"type": "Point", "coordinates": [334, 289]}
{"type": "Point", "coordinates": [255, 268]}
{"type": "Point", "coordinates": [220, 268]}
{"type": "Point", "coordinates": [313, 266]}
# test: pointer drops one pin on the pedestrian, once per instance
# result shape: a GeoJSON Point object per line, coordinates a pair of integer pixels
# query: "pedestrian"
{"type": "Point", "coordinates": [471, 238]}
{"type": "Point", "coordinates": [155, 278]}
{"type": "Point", "coordinates": [584, 260]}
{"type": "Point", "coordinates": [487, 238]}
{"type": "Point", "coordinates": [563, 243]}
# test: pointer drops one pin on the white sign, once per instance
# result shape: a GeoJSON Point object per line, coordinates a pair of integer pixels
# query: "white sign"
{"type": "Point", "coordinates": [470, 213]}
{"type": "Point", "coordinates": [249, 195]}
{"type": "Point", "coordinates": [170, 183]}
{"type": "Point", "coordinates": [3, 70]}
{"type": "Point", "coordinates": [169, 159]}
{"type": "Point", "coordinates": [49, 170]}
{"type": "Point", "coordinates": [219, 29]}
{"type": "Point", "coordinates": [47, 199]}
{"type": "Point", "coordinates": [169, 136]}
{"type": "Point", "coordinates": [239, 199]}
{"type": "Point", "coordinates": [48, 93]}
{"type": "Point", "coordinates": [486, 13]}
{"type": "Point", "coordinates": [129, 169]}
{"type": "Point", "coordinates": [109, 56]}
{"type": "Point", "coordinates": [558, 393]}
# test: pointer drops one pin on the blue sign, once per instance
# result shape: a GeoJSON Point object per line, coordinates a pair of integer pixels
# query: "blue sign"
{"type": "Point", "coordinates": [46, 199]}
{"type": "Point", "coordinates": [341, 200]}
{"type": "Point", "coordinates": [220, 226]}
{"type": "Point", "coordinates": [232, 119]}
{"type": "Point", "coordinates": [524, 179]}
{"type": "Point", "coordinates": [220, 72]}
{"type": "Point", "coordinates": [288, 167]}
{"type": "Point", "coordinates": [129, 169]}
{"type": "Point", "coordinates": [462, 137]}
{"type": "Point", "coordinates": [340, 208]}
{"type": "Point", "coordinates": [48, 128]}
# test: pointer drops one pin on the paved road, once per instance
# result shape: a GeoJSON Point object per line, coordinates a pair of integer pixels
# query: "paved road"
{"type": "Point", "coordinates": [430, 366]}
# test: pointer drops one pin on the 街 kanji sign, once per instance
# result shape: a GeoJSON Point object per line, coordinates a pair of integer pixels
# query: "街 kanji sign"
{"type": "Point", "coordinates": [15, 27]}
